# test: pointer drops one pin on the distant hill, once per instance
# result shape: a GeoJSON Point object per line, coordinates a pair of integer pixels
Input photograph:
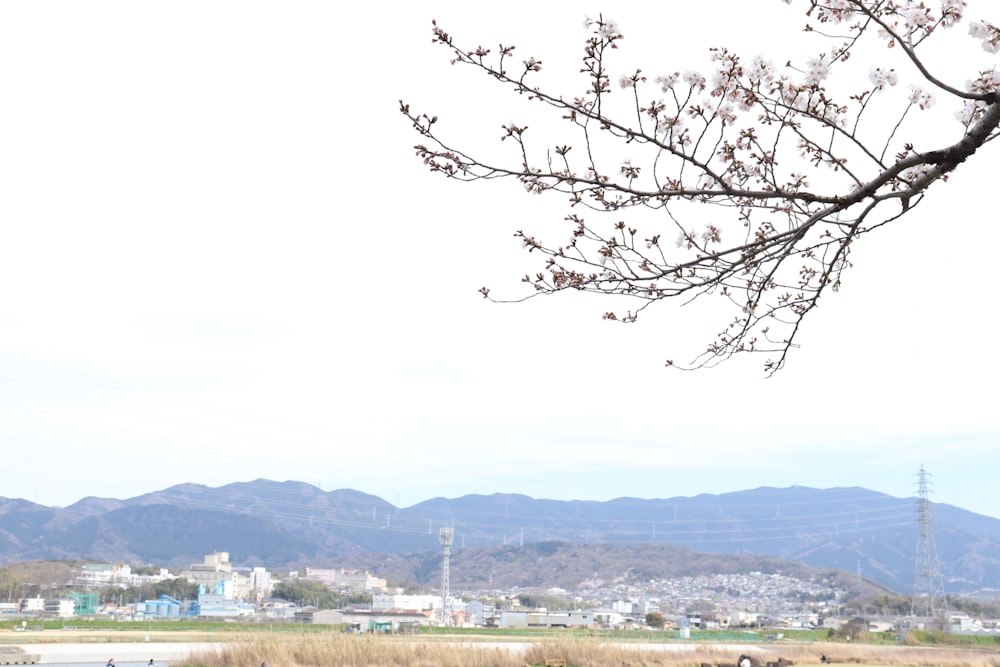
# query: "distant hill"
{"type": "Point", "coordinates": [576, 566]}
{"type": "Point", "coordinates": [292, 523]}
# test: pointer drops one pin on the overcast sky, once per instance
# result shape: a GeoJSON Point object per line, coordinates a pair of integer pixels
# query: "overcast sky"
{"type": "Point", "coordinates": [221, 261]}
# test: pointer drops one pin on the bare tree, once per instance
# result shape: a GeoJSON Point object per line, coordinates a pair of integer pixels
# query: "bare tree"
{"type": "Point", "coordinates": [795, 171]}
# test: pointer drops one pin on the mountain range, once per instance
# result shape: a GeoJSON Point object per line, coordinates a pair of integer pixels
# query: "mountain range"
{"type": "Point", "coordinates": [295, 524]}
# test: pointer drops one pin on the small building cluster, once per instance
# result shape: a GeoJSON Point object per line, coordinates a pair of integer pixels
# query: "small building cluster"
{"type": "Point", "coordinates": [719, 602]}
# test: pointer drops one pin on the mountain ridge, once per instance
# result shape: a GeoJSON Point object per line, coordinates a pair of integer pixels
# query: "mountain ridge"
{"type": "Point", "coordinates": [293, 523]}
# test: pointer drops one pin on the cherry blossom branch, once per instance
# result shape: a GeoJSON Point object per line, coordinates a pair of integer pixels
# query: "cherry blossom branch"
{"type": "Point", "coordinates": [743, 140]}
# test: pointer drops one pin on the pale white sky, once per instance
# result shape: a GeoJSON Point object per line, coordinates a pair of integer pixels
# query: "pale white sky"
{"type": "Point", "coordinates": [220, 261]}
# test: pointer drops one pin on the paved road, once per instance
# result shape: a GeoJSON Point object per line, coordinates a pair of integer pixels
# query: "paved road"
{"type": "Point", "coordinates": [99, 653]}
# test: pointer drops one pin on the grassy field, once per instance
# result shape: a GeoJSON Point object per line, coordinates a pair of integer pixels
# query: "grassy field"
{"type": "Point", "coordinates": [88, 631]}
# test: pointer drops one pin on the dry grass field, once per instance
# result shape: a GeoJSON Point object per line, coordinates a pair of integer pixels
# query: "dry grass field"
{"type": "Point", "coordinates": [336, 650]}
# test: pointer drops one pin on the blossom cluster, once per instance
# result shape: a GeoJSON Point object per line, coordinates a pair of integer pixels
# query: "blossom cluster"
{"type": "Point", "coordinates": [987, 82]}
{"type": "Point", "coordinates": [911, 20]}
{"type": "Point", "coordinates": [882, 77]}
{"type": "Point", "coordinates": [988, 33]}
{"type": "Point", "coordinates": [922, 98]}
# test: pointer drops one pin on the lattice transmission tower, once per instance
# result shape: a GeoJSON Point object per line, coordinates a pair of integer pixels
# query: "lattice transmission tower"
{"type": "Point", "coordinates": [446, 536]}
{"type": "Point", "coordinates": [928, 588]}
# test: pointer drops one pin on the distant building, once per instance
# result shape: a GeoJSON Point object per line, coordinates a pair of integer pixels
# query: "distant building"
{"type": "Point", "coordinates": [608, 618]}
{"type": "Point", "coordinates": [355, 580]}
{"type": "Point", "coordinates": [60, 608]}
{"type": "Point", "coordinates": [546, 619]}
{"type": "Point", "coordinates": [277, 608]}
{"type": "Point", "coordinates": [102, 575]}
{"type": "Point", "coordinates": [744, 618]}
{"type": "Point", "coordinates": [364, 621]}
{"type": "Point", "coordinates": [959, 623]}
{"type": "Point", "coordinates": [327, 576]}
{"type": "Point", "coordinates": [481, 613]}
{"type": "Point", "coordinates": [259, 584]}
{"type": "Point", "coordinates": [33, 606]}
{"type": "Point", "coordinates": [162, 575]}
{"type": "Point", "coordinates": [405, 602]}
{"type": "Point", "coordinates": [213, 605]}
{"type": "Point", "coordinates": [313, 616]}
{"type": "Point", "coordinates": [215, 568]}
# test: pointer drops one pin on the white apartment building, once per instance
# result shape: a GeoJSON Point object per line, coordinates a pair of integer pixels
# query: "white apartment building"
{"type": "Point", "coordinates": [60, 608]}
{"type": "Point", "coordinates": [405, 602]}
{"type": "Point", "coordinates": [104, 575]}
{"type": "Point", "coordinates": [342, 579]}
{"type": "Point", "coordinates": [33, 605]}
{"type": "Point", "coordinates": [259, 584]}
